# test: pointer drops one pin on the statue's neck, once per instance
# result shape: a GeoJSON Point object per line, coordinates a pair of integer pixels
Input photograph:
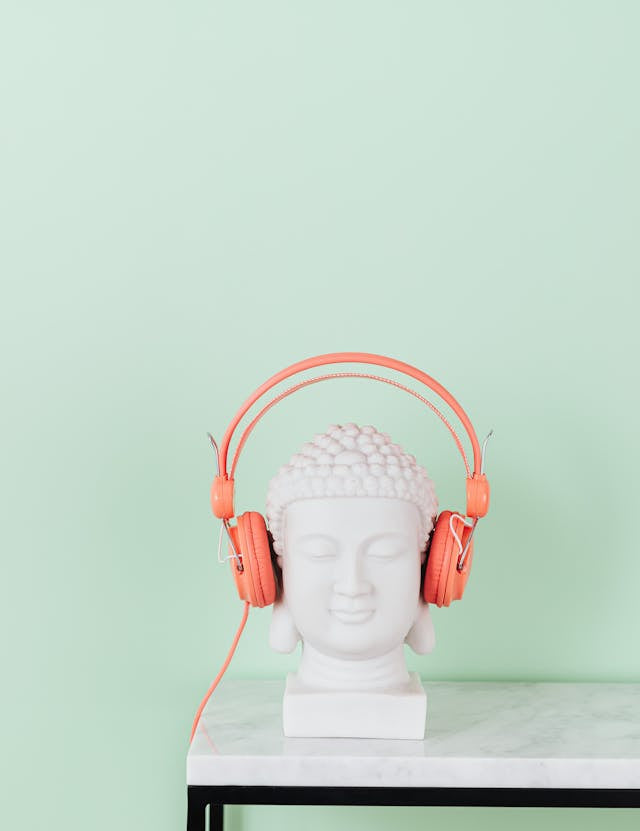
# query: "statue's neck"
{"type": "Point", "coordinates": [326, 672]}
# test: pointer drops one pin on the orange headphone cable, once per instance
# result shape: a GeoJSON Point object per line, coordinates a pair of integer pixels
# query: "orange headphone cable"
{"type": "Point", "coordinates": [223, 669]}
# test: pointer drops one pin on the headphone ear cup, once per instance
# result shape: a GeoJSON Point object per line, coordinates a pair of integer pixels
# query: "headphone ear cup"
{"type": "Point", "coordinates": [256, 583]}
{"type": "Point", "coordinates": [435, 559]}
{"type": "Point", "coordinates": [461, 576]}
{"type": "Point", "coordinates": [443, 583]}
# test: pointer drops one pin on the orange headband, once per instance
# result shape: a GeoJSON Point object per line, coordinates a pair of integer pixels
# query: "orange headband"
{"type": "Point", "coordinates": [222, 488]}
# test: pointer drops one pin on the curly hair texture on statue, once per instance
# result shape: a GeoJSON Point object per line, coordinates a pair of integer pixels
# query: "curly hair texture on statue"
{"type": "Point", "coordinates": [349, 460]}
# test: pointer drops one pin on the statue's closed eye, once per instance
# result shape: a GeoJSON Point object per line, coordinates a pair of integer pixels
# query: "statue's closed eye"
{"type": "Point", "coordinates": [387, 547]}
{"type": "Point", "coordinates": [317, 547]}
{"type": "Point", "coordinates": [320, 555]}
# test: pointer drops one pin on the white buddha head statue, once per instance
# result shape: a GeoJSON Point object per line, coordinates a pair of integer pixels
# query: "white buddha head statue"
{"type": "Point", "coordinates": [350, 516]}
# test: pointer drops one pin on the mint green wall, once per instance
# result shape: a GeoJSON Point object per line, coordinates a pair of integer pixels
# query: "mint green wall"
{"type": "Point", "coordinates": [196, 194]}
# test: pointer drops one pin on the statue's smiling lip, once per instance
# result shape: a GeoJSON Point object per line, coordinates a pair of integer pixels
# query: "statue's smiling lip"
{"type": "Point", "coordinates": [347, 615]}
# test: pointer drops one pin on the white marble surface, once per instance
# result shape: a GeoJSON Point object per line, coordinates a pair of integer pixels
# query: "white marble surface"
{"type": "Point", "coordinates": [533, 735]}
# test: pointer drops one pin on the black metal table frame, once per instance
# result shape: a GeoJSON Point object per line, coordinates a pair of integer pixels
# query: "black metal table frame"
{"type": "Point", "coordinates": [199, 796]}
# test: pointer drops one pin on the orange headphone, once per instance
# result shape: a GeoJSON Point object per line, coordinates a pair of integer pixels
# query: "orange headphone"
{"type": "Point", "coordinates": [450, 550]}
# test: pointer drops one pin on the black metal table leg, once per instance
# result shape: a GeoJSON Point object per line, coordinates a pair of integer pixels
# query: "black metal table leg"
{"type": "Point", "coordinates": [216, 817]}
{"type": "Point", "coordinates": [197, 801]}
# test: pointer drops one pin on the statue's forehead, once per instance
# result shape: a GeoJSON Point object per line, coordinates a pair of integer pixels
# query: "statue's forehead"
{"type": "Point", "coordinates": [375, 514]}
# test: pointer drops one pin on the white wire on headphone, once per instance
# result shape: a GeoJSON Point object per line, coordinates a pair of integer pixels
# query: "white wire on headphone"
{"type": "Point", "coordinates": [469, 523]}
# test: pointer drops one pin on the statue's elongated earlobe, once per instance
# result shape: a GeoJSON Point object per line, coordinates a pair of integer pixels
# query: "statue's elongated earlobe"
{"type": "Point", "coordinates": [283, 635]}
{"type": "Point", "coordinates": [422, 637]}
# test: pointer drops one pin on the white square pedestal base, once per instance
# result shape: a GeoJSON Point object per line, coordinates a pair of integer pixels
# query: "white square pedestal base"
{"type": "Point", "coordinates": [308, 713]}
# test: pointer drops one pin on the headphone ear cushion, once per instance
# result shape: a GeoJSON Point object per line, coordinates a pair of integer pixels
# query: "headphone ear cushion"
{"type": "Point", "coordinates": [459, 581]}
{"type": "Point", "coordinates": [259, 581]}
{"type": "Point", "coordinates": [435, 559]}
{"type": "Point", "coordinates": [443, 583]}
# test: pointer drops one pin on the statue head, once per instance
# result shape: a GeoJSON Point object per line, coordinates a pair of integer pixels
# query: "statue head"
{"type": "Point", "coordinates": [350, 516]}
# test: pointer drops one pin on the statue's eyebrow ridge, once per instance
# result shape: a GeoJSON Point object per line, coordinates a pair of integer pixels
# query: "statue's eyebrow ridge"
{"type": "Point", "coordinates": [317, 536]}
{"type": "Point", "coordinates": [385, 535]}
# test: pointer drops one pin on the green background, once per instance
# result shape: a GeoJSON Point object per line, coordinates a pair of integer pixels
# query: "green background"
{"type": "Point", "coordinates": [197, 194]}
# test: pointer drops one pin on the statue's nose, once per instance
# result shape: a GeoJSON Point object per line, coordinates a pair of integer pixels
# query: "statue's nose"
{"type": "Point", "coordinates": [350, 580]}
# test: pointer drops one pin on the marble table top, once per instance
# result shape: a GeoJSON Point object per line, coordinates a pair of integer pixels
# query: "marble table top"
{"type": "Point", "coordinates": [487, 735]}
